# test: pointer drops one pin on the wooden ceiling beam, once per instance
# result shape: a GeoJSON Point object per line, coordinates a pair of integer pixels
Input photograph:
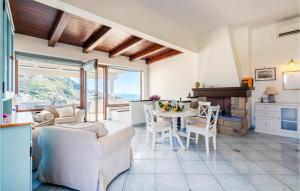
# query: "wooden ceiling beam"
{"type": "Point", "coordinates": [146, 52]}
{"type": "Point", "coordinates": [96, 38]}
{"type": "Point", "coordinates": [162, 56]}
{"type": "Point", "coordinates": [58, 28]}
{"type": "Point", "coordinates": [130, 43]}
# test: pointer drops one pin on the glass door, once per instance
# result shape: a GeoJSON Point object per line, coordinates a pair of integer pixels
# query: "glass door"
{"type": "Point", "coordinates": [91, 90]}
{"type": "Point", "coordinates": [95, 88]}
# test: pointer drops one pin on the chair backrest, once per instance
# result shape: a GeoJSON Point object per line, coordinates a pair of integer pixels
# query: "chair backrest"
{"type": "Point", "coordinates": [203, 109]}
{"type": "Point", "coordinates": [148, 109]}
{"type": "Point", "coordinates": [213, 115]}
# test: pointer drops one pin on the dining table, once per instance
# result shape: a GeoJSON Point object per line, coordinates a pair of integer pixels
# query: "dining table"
{"type": "Point", "coordinates": [175, 115]}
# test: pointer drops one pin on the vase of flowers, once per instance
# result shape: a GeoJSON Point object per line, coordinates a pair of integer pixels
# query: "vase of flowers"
{"type": "Point", "coordinates": [178, 107]}
{"type": "Point", "coordinates": [164, 106]}
{"type": "Point", "coordinates": [154, 98]}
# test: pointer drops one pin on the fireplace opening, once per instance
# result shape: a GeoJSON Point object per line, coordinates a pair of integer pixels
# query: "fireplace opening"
{"type": "Point", "coordinates": [223, 102]}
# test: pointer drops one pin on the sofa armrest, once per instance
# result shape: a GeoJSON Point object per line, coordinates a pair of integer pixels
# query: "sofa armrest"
{"type": "Point", "coordinates": [115, 140]}
{"type": "Point", "coordinates": [65, 120]}
{"type": "Point", "coordinates": [79, 115]}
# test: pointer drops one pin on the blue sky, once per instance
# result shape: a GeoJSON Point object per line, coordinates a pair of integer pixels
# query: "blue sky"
{"type": "Point", "coordinates": [127, 83]}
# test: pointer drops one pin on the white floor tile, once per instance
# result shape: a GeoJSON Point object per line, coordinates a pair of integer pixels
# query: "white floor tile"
{"type": "Point", "coordinates": [213, 156]}
{"type": "Point", "coordinates": [172, 182]}
{"type": "Point", "coordinates": [266, 183]}
{"type": "Point", "coordinates": [194, 167]}
{"type": "Point", "coordinates": [138, 182]}
{"type": "Point", "coordinates": [235, 183]}
{"type": "Point", "coordinates": [248, 167]}
{"type": "Point", "coordinates": [232, 156]}
{"type": "Point", "coordinates": [221, 167]}
{"type": "Point", "coordinates": [168, 166]}
{"type": "Point", "coordinates": [255, 155]}
{"type": "Point", "coordinates": [203, 182]}
{"type": "Point", "coordinates": [166, 155]}
{"type": "Point", "coordinates": [273, 167]}
{"type": "Point", "coordinates": [188, 155]}
{"type": "Point", "coordinates": [291, 181]}
{"type": "Point", "coordinates": [280, 156]}
{"type": "Point", "coordinates": [142, 166]}
{"type": "Point", "coordinates": [144, 154]}
{"type": "Point", "coordinates": [118, 183]}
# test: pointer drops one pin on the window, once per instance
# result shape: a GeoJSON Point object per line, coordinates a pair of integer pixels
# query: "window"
{"type": "Point", "coordinates": [41, 84]}
{"type": "Point", "coordinates": [123, 85]}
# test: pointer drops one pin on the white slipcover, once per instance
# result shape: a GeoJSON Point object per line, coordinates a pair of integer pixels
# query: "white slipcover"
{"type": "Point", "coordinates": [79, 160]}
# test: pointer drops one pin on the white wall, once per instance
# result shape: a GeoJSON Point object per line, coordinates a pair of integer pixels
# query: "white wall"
{"type": "Point", "coordinates": [269, 51]}
{"type": "Point", "coordinates": [39, 46]}
{"type": "Point", "coordinates": [174, 77]}
{"type": "Point", "coordinates": [241, 46]}
{"type": "Point", "coordinates": [214, 65]}
{"type": "Point", "coordinates": [217, 62]}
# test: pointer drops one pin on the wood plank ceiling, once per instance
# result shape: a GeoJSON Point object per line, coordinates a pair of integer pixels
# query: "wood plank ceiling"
{"type": "Point", "coordinates": [38, 20]}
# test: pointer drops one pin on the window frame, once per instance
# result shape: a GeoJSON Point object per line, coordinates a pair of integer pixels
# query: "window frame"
{"type": "Point", "coordinates": [16, 72]}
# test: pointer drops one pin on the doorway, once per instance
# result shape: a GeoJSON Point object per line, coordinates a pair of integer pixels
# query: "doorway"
{"type": "Point", "coordinates": [95, 90]}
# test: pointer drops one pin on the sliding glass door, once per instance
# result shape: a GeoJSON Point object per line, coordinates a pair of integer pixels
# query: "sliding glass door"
{"type": "Point", "coordinates": [94, 91]}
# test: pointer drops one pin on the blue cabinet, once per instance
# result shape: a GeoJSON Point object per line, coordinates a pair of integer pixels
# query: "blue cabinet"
{"type": "Point", "coordinates": [15, 131]}
{"type": "Point", "coordinates": [6, 53]}
{"type": "Point", "coordinates": [15, 158]}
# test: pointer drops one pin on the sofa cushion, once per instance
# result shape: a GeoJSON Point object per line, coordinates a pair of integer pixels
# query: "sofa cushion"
{"type": "Point", "coordinates": [53, 111]}
{"type": "Point", "coordinates": [65, 111]}
{"type": "Point", "coordinates": [42, 116]}
{"type": "Point", "coordinates": [47, 115]}
{"type": "Point", "coordinates": [97, 127]}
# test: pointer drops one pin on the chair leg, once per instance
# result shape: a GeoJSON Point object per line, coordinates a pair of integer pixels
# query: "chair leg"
{"type": "Point", "coordinates": [163, 136]}
{"type": "Point", "coordinates": [188, 139]}
{"type": "Point", "coordinates": [215, 142]}
{"type": "Point", "coordinates": [207, 144]}
{"type": "Point", "coordinates": [153, 140]}
{"type": "Point", "coordinates": [197, 138]}
{"type": "Point", "coordinates": [171, 137]}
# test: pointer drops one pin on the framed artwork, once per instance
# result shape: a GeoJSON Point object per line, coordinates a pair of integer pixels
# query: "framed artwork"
{"type": "Point", "coordinates": [265, 74]}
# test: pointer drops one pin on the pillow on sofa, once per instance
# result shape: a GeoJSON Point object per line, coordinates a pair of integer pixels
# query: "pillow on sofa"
{"type": "Point", "coordinates": [97, 127]}
{"type": "Point", "coordinates": [36, 117]}
{"type": "Point", "coordinates": [47, 115]}
{"type": "Point", "coordinates": [43, 116]}
{"type": "Point", "coordinates": [65, 111]}
{"type": "Point", "coordinates": [52, 110]}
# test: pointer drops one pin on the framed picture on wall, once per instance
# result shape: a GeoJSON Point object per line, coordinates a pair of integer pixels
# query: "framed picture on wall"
{"type": "Point", "coordinates": [265, 74]}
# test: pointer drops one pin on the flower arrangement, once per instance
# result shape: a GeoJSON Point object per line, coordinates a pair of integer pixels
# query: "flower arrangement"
{"type": "Point", "coordinates": [178, 108]}
{"type": "Point", "coordinates": [174, 107]}
{"type": "Point", "coordinates": [164, 106]}
{"type": "Point", "coordinates": [154, 98]}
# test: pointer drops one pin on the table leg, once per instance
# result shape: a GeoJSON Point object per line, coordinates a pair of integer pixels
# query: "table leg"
{"type": "Point", "coordinates": [175, 131]}
{"type": "Point", "coordinates": [182, 120]}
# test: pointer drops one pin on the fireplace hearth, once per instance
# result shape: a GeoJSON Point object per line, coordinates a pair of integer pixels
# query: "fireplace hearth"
{"type": "Point", "coordinates": [235, 107]}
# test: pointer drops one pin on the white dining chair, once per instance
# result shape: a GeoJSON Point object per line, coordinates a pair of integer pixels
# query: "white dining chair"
{"type": "Point", "coordinates": [155, 127]}
{"type": "Point", "coordinates": [208, 129]}
{"type": "Point", "coordinates": [201, 116]}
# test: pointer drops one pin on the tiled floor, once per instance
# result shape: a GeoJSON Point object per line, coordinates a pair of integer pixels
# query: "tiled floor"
{"type": "Point", "coordinates": [265, 162]}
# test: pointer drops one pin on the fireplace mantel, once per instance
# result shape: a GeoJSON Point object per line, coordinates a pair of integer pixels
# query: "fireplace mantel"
{"type": "Point", "coordinates": [222, 92]}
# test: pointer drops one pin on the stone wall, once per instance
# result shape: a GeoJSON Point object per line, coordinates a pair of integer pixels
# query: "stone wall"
{"type": "Point", "coordinates": [237, 124]}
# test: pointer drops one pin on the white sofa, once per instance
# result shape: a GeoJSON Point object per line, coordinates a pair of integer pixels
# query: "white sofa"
{"type": "Point", "coordinates": [77, 118]}
{"type": "Point", "coordinates": [77, 159]}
